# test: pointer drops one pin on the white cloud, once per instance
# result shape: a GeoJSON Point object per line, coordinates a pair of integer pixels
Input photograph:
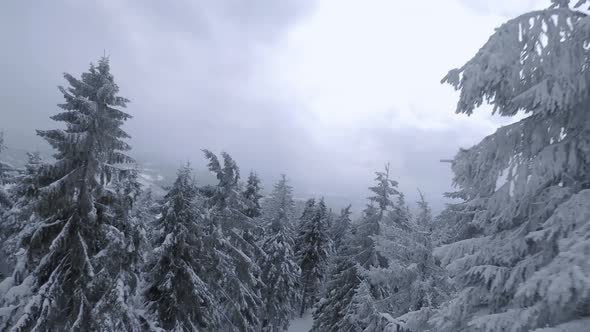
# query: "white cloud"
{"type": "Point", "coordinates": [348, 60]}
{"type": "Point", "coordinates": [368, 74]}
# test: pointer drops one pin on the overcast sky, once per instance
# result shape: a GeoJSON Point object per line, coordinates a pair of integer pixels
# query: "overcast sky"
{"type": "Point", "coordinates": [324, 91]}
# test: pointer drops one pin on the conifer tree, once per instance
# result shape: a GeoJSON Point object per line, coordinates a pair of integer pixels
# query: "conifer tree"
{"type": "Point", "coordinates": [341, 285]}
{"type": "Point", "coordinates": [279, 201]}
{"type": "Point", "coordinates": [65, 274]}
{"type": "Point", "coordinates": [20, 218]}
{"type": "Point", "coordinates": [336, 311]}
{"type": "Point", "coordinates": [322, 213]}
{"type": "Point", "coordinates": [280, 274]}
{"type": "Point", "coordinates": [424, 216]}
{"type": "Point", "coordinates": [5, 225]}
{"type": "Point", "coordinates": [307, 214]}
{"type": "Point", "coordinates": [280, 271]}
{"type": "Point", "coordinates": [237, 274]}
{"type": "Point", "coordinates": [176, 293]}
{"type": "Point", "coordinates": [411, 282]}
{"type": "Point", "coordinates": [370, 226]}
{"type": "Point", "coordinates": [145, 211]}
{"type": "Point", "coordinates": [6, 178]}
{"type": "Point", "coordinates": [120, 274]}
{"type": "Point", "coordinates": [525, 187]}
{"type": "Point", "coordinates": [252, 196]}
{"type": "Point", "coordinates": [4, 167]}
{"type": "Point", "coordinates": [341, 227]}
{"type": "Point", "coordinates": [383, 190]}
{"type": "Point", "coordinates": [363, 314]}
{"type": "Point", "coordinates": [362, 310]}
{"type": "Point", "coordinates": [314, 247]}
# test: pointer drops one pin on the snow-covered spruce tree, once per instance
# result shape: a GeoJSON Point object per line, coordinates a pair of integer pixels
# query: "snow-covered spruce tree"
{"type": "Point", "coordinates": [5, 204]}
{"type": "Point", "coordinates": [525, 266]}
{"type": "Point", "coordinates": [237, 274]}
{"type": "Point", "coordinates": [383, 191]}
{"type": "Point", "coordinates": [306, 216]}
{"type": "Point", "coordinates": [373, 217]}
{"type": "Point", "coordinates": [28, 183]}
{"type": "Point", "coordinates": [313, 251]}
{"type": "Point", "coordinates": [322, 213]}
{"type": "Point", "coordinates": [66, 274]}
{"type": "Point", "coordinates": [341, 227]}
{"type": "Point", "coordinates": [424, 216]}
{"type": "Point", "coordinates": [175, 292]}
{"type": "Point", "coordinates": [308, 212]}
{"type": "Point", "coordinates": [252, 196]}
{"type": "Point", "coordinates": [368, 257]}
{"type": "Point", "coordinates": [280, 274]}
{"type": "Point", "coordinates": [20, 219]}
{"type": "Point", "coordinates": [341, 285]}
{"type": "Point", "coordinates": [363, 313]}
{"type": "Point", "coordinates": [5, 168]}
{"type": "Point", "coordinates": [412, 285]}
{"type": "Point", "coordinates": [280, 200]}
{"type": "Point", "coordinates": [2, 170]}
{"type": "Point", "coordinates": [280, 271]}
{"type": "Point", "coordinates": [125, 248]}
{"type": "Point", "coordinates": [7, 178]}
{"type": "Point", "coordinates": [145, 211]}
{"type": "Point", "coordinates": [355, 258]}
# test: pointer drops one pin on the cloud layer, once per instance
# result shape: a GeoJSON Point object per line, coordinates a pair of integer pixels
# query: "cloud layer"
{"type": "Point", "coordinates": [327, 92]}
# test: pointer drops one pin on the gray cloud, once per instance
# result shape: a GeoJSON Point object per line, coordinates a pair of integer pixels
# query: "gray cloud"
{"type": "Point", "coordinates": [203, 74]}
{"type": "Point", "coordinates": [194, 71]}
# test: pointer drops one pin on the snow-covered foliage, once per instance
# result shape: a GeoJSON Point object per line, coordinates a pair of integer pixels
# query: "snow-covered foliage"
{"type": "Point", "coordinates": [313, 249]}
{"type": "Point", "coordinates": [280, 201]}
{"type": "Point", "coordinates": [424, 216]}
{"type": "Point", "coordinates": [6, 178]}
{"type": "Point", "coordinates": [236, 274]}
{"type": "Point", "coordinates": [384, 276]}
{"type": "Point", "coordinates": [343, 279]}
{"type": "Point", "coordinates": [373, 219]}
{"type": "Point", "coordinates": [345, 305]}
{"type": "Point", "coordinates": [341, 227]}
{"type": "Point", "coordinates": [19, 220]}
{"type": "Point", "coordinates": [7, 171]}
{"type": "Point", "coordinates": [64, 280]}
{"type": "Point", "coordinates": [363, 313]}
{"type": "Point", "coordinates": [523, 264]}
{"type": "Point", "coordinates": [175, 292]}
{"type": "Point", "coordinates": [280, 272]}
{"type": "Point", "coordinates": [384, 190]}
{"type": "Point", "coordinates": [252, 195]}
{"type": "Point", "coordinates": [281, 276]}
{"type": "Point", "coordinates": [411, 282]}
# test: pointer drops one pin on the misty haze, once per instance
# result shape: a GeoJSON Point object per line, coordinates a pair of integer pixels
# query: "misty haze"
{"type": "Point", "coordinates": [295, 166]}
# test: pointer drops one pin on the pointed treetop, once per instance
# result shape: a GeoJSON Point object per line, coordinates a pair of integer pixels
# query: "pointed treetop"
{"type": "Point", "coordinates": [229, 174]}
{"type": "Point", "coordinates": [252, 196]}
{"type": "Point", "coordinates": [2, 146]}
{"type": "Point", "coordinates": [383, 190]}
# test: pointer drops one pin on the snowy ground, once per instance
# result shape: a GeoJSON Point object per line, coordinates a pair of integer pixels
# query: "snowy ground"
{"type": "Point", "coordinates": [302, 324]}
